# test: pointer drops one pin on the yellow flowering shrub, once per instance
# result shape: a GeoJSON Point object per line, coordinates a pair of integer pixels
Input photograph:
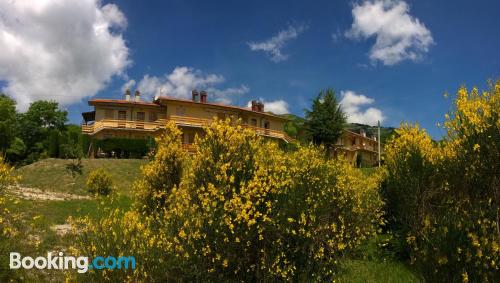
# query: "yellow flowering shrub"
{"type": "Point", "coordinates": [6, 177]}
{"type": "Point", "coordinates": [99, 182]}
{"type": "Point", "coordinates": [243, 210]}
{"type": "Point", "coordinates": [443, 199]}
{"type": "Point", "coordinates": [7, 227]}
{"type": "Point", "coordinates": [163, 173]}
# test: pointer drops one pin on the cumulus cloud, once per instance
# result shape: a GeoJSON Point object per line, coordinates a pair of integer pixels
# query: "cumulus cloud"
{"type": "Point", "coordinates": [128, 85]}
{"type": "Point", "coordinates": [352, 104]}
{"type": "Point", "coordinates": [277, 106]}
{"type": "Point", "coordinates": [399, 36]}
{"type": "Point", "coordinates": [182, 80]}
{"type": "Point", "coordinates": [60, 50]}
{"type": "Point", "coordinates": [274, 45]}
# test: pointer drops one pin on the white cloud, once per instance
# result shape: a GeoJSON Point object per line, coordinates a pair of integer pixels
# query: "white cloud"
{"type": "Point", "coordinates": [128, 85]}
{"type": "Point", "coordinates": [274, 45]}
{"type": "Point", "coordinates": [182, 80]}
{"type": "Point", "coordinates": [399, 36]}
{"type": "Point", "coordinates": [352, 103]}
{"type": "Point", "coordinates": [60, 50]}
{"type": "Point", "coordinates": [277, 106]}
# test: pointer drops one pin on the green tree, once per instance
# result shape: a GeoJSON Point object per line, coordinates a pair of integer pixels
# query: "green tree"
{"type": "Point", "coordinates": [42, 118]}
{"type": "Point", "coordinates": [325, 121]}
{"type": "Point", "coordinates": [7, 121]}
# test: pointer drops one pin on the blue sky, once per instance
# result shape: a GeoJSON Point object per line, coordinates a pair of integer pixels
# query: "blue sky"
{"type": "Point", "coordinates": [436, 47]}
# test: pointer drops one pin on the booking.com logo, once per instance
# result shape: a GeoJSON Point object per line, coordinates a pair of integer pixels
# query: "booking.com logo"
{"type": "Point", "coordinates": [60, 261]}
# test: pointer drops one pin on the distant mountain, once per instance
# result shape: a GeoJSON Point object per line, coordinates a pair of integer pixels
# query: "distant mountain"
{"type": "Point", "coordinates": [295, 128]}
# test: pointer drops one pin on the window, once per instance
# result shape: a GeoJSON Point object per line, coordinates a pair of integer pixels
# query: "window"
{"type": "Point", "coordinates": [141, 116]}
{"type": "Point", "coordinates": [108, 113]}
{"type": "Point", "coordinates": [122, 115]}
{"type": "Point", "coordinates": [254, 122]}
{"type": "Point", "coordinates": [153, 116]}
{"type": "Point", "coordinates": [180, 111]}
{"type": "Point", "coordinates": [267, 125]}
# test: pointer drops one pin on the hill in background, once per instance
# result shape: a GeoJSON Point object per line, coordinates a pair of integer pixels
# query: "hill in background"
{"type": "Point", "coordinates": [295, 128]}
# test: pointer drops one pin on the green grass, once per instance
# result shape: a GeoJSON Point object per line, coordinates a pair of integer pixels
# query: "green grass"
{"type": "Point", "coordinates": [36, 217]}
{"type": "Point", "coordinates": [52, 175]}
{"type": "Point", "coordinates": [362, 271]}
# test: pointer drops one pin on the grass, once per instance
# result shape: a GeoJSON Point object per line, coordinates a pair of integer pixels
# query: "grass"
{"type": "Point", "coordinates": [52, 175]}
{"type": "Point", "coordinates": [354, 271]}
{"type": "Point", "coordinates": [37, 217]}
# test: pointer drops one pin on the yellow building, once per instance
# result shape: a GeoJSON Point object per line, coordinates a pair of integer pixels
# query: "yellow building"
{"type": "Point", "coordinates": [132, 118]}
{"type": "Point", "coordinates": [358, 148]}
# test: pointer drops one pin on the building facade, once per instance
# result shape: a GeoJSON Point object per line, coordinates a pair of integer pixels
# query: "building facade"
{"type": "Point", "coordinates": [132, 118]}
{"type": "Point", "coordinates": [359, 149]}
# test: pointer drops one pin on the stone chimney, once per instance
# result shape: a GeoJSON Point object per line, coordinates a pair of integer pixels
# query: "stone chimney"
{"type": "Point", "coordinates": [203, 96]}
{"type": "Point", "coordinates": [194, 94]}
{"type": "Point", "coordinates": [137, 96]}
{"type": "Point", "coordinates": [255, 106]}
{"type": "Point", "coordinates": [127, 95]}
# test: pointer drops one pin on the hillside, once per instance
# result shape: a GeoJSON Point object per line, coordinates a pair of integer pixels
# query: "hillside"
{"type": "Point", "coordinates": [52, 175]}
{"type": "Point", "coordinates": [295, 128]}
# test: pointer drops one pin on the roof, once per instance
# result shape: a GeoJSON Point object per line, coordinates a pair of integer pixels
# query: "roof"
{"type": "Point", "coordinates": [358, 134]}
{"type": "Point", "coordinates": [92, 102]}
{"type": "Point", "coordinates": [168, 98]}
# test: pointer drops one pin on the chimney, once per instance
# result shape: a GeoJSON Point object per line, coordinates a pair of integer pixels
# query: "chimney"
{"type": "Point", "coordinates": [203, 96]}
{"type": "Point", "coordinates": [362, 132]}
{"type": "Point", "coordinates": [374, 137]}
{"type": "Point", "coordinates": [137, 96]}
{"type": "Point", "coordinates": [261, 106]}
{"type": "Point", "coordinates": [127, 95]}
{"type": "Point", "coordinates": [255, 105]}
{"type": "Point", "coordinates": [195, 95]}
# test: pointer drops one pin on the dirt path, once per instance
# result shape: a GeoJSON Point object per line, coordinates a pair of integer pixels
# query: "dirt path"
{"type": "Point", "coordinates": [37, 194]}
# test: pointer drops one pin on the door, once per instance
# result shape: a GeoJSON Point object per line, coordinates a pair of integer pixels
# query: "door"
{"type": "Point", "coordinates": [141, 116]}
{"type": "Point", "coordinates": [122, 117]}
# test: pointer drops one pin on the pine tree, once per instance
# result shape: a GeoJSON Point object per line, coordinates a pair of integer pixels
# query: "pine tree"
{"type": "Point", "coordinates": [325, 121]}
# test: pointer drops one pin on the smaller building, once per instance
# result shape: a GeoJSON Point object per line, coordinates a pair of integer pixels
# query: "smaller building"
{"type": "Point", "coordinates": [359, 149]}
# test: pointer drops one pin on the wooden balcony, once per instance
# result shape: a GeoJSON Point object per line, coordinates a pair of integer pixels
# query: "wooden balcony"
{"type": "Point", "coordinates": [122, 124]}
{"type": "Point", "coordinates": [198, 122]}
{"type": "Point", "coordinates": [181, 121]}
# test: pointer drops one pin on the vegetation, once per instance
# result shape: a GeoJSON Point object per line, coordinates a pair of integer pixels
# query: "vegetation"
{"type": "Point", "coordinates": [38, 133]}
{"type": "Point", "coordinates": [239, 195]}
{"type": "Point", "coordinates": [121, 147]}
{"type": "Point", "coordinates": [45, 173]}
{"type": "Point", "coordinates": [325, 121]}
{"type": "Point", "coordinates": [443, 198]}
{"type": "Point", "coordinates": [99, 182]}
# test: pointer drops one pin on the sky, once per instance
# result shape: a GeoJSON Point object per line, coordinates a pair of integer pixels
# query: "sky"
{"type": "Point", "coordinates": [387, 60]}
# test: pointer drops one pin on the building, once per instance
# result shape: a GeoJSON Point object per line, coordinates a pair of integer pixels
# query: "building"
{"type": "Point", "coordinates": [132, 118]}
{"type": "Point", "coordinates": [358, 148]}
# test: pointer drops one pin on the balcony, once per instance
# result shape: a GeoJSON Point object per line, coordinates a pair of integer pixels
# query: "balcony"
{"type": "Point", "coordinates": [122, 125]}
{"type": "Point", "coordinates": [181, 121]}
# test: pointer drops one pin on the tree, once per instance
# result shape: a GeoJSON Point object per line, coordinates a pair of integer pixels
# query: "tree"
{"type": "Point", "coordinates": [7, 121]}
{"type": "Point", "coordinates": [42, 118]}
{"type": "Point", "coordinates": [325, 121]}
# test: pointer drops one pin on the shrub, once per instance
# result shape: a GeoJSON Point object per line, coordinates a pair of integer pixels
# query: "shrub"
{"type": "Point", "coordinates": [99, 182]}
{"type": "Point", "coordinates": [240, 210]}
{"type": "Point", "coordinates": [6, 177]}
{"type": "Point", "coordinates": [7, 228]}
{"type": "Point", "coordinates": [444, 198]}
{"type": "Point", "coordinates": [163, 173]}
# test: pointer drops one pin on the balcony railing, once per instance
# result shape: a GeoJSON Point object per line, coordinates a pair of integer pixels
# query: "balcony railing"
{"type": "Point", "coordinates": [179, 120]}
{"type": "Point", "coordinates": [122, 124]}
